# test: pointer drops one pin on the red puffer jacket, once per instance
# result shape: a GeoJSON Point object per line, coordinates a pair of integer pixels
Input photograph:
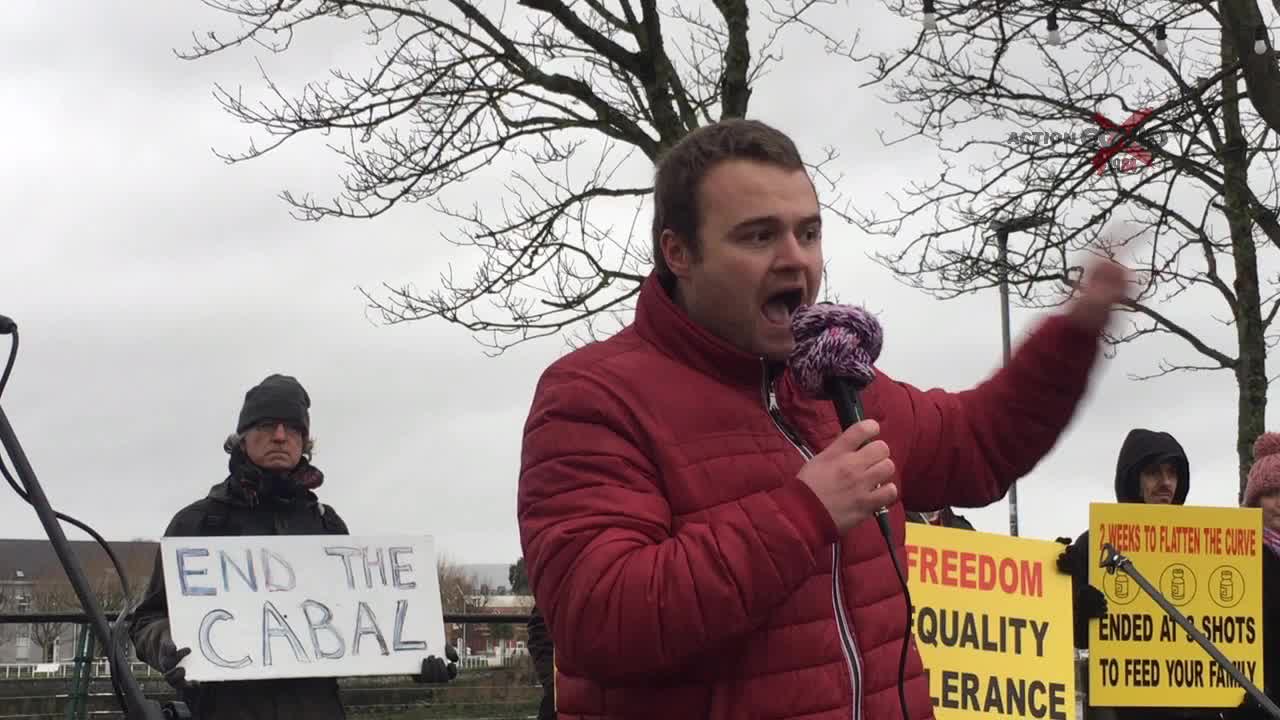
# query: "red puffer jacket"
{"type": "Point", "coordinates": [684, 571]}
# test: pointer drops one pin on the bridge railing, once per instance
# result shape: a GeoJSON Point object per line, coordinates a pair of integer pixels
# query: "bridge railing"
{"type": "Point", "coordinates": [495, 686]}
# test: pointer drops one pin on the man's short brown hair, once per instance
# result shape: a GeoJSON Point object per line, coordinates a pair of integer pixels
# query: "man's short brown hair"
{"type": "Point", "coordinates": [681, 170]}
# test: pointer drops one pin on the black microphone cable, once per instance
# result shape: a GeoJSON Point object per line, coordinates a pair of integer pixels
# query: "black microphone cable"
{"type": "Point", "coordinates": [849, 409]}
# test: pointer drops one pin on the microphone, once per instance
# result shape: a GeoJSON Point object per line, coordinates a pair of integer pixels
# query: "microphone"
{"type": "Point", "coordinates": [834, 359]}
{"type": "Point", "coordinates": [7, 325]}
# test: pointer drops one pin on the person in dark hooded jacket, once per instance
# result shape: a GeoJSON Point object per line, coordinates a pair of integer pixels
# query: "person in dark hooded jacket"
{"type": "Point", "coordinates": [1152, 469]}
{"type": "Point", "coordinates": [270, 490]}
{"type": "Point", "coordinates": [946, 517]}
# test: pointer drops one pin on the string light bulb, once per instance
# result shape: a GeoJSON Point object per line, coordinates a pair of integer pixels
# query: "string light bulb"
{"type": "Point", "coordinates": [930, 17]}
{"type": "Point", "coordinates": [1055, 38]}
{"type": "Point", "coordinates": [1260, 40]}
{"type": "Point", "coordinates": [1162, 43]}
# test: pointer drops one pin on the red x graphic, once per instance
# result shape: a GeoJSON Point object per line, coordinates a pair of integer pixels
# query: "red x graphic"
{"type": "Point", "coordinates": [1101, 158]}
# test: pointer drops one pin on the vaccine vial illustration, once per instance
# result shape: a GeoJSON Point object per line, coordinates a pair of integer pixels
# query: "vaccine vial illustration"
{"type": "Point", "coordinates": [1227, 586]}
{"type": "Point", "coordinates": [1177, 584]}
{"type": "Point", "coordinates": [1122, 586]}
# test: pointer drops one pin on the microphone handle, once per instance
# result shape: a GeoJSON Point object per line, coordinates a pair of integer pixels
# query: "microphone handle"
{"type": "Point", "coordinates": [848, 404]}
{"type": "Point", "coordinates": [845, 398]}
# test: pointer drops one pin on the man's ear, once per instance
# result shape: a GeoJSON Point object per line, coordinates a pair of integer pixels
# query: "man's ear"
{"type": "Point", "coordinates": [677, 251]}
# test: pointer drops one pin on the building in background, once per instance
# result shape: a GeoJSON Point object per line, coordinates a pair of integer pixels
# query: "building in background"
{"type": "Point", "coordinates": [32, 580]}
{"type": "Point", "coordinates": [501, 639]}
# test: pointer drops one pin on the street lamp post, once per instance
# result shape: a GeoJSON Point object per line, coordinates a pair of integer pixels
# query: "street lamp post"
{"type": "Point", "coordinates": [1003, 228]}
{"type": "Point", "coordinates": [462, 595]}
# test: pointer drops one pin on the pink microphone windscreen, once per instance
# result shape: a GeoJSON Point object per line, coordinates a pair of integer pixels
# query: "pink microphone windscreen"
{"type": "Point", "coordinates": [834, 341]}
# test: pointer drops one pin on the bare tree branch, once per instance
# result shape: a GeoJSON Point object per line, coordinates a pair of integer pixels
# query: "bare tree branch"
{"type": "Point", "coordinates": [1191, 170]}
{"type": "Point", "coordinates": [579, 97]}
{"type": "Point", "coordinates": [456, 585]}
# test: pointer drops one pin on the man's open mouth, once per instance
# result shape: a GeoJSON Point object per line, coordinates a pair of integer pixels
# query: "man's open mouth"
{"type": "Point", "coordinates": [780, 305]}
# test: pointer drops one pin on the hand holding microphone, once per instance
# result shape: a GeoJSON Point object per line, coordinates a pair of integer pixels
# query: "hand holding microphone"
{"type": "Point", "coordinates": [852, 475]}
{"type": "Point", "coordinates": [834, 359]}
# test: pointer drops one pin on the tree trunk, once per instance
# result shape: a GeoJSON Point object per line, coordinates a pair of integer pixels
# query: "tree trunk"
{"type": "Point", "coordinates": [1241, 19]}
{"type": "Point", "coordinates": [1251, 362]}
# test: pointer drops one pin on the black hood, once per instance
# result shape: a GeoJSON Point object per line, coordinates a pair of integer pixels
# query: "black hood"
{"type": "Point", "coordinates": [1142, 447]}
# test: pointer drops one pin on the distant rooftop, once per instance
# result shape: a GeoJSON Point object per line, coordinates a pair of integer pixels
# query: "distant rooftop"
{"type": "Point", "coordinates": [35, 559]}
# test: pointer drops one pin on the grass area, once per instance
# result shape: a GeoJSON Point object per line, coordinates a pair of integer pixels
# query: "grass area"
{"type": "Point", "coordinates": [507, 693]}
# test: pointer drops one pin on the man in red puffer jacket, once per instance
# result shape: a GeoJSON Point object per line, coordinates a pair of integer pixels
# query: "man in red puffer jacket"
{"type": "Point", "coordinates": [697, 533]}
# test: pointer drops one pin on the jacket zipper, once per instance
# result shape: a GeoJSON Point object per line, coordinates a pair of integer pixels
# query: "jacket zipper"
{"type": "Point", "coordinates": [847, 641]}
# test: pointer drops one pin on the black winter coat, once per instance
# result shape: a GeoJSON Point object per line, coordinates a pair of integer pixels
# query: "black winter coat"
{"type": "Point", "coordinates": [1271, 623]}
{"type": "Point", "coordinates": [1270, 634]}
{"type": "Point", "coordinates": [228, 511]}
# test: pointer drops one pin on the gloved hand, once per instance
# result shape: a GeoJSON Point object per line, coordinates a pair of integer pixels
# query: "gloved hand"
{"type": "Point", "coordinates": [1093, 604]}
{"type": "Point", "coordinates": [170, 656]}
{"type": "Point", "coordinates": [1249, 709]}
{"type": "Point", "coordinates": [434, 670]}
{"type": "Point", "coordinates": [1064, 558]}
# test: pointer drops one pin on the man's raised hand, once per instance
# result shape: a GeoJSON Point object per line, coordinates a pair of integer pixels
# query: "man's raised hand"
{"type": "Point", "coordinates": [852, 475]}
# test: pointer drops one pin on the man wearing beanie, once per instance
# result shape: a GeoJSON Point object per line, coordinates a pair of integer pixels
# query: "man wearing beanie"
{"type": "Point", "coordinates": [270, 489]}
{"type": "Point", "coordinates": [1263, 491]}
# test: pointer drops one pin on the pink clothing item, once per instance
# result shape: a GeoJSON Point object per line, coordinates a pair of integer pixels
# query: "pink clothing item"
{"type": "Point", "coordinates": [1272, 540]}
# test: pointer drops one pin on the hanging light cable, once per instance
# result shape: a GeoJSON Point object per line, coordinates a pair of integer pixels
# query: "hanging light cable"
{"type": "Point", "coordinates": [1055, 38]}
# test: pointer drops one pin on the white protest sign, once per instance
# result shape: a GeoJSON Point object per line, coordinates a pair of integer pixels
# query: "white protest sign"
{"type": "Point", "coordinates": [279, 606]}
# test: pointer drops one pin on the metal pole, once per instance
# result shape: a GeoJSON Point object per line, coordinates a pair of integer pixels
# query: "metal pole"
{"type": "Point", "coordinates": [1002, 240]}
{"type": "Point", "coordinates": [82, 675]}
{"type": "Point", "coordinates": [73, 696]}
{"type": "Point", "coordinates": [139, 707]}
{"type": "Point", "coordinates": [463, 596]}
{"type": "Point", "coordinates": [87, 677]}
{"type": "Point", "coordinates": [1113, 560]}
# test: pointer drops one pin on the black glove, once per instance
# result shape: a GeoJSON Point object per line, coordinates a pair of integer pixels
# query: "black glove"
{"type": "Point", "coordinates": [1064, 558]}
{"type": "Point", "coordinates": [176, 710]}
{"type": "Point", "coordinates": [1249, 709]}
{"type": "Point", "coordinates": [1093, 604]}
{"type": "Point", "coordinates": [170, 656]}
{"type": "Point", "coordinates": [434, 670]}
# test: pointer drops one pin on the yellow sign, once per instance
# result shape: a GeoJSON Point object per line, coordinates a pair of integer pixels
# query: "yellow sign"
{"type": "Point", "coordinates": [993, 624]}
{"type": "Point", "coordinates": [1207, 564]}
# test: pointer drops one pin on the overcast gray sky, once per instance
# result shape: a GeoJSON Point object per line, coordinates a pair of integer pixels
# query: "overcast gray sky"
{"type": "Point", "coordinates": [154, 284]}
